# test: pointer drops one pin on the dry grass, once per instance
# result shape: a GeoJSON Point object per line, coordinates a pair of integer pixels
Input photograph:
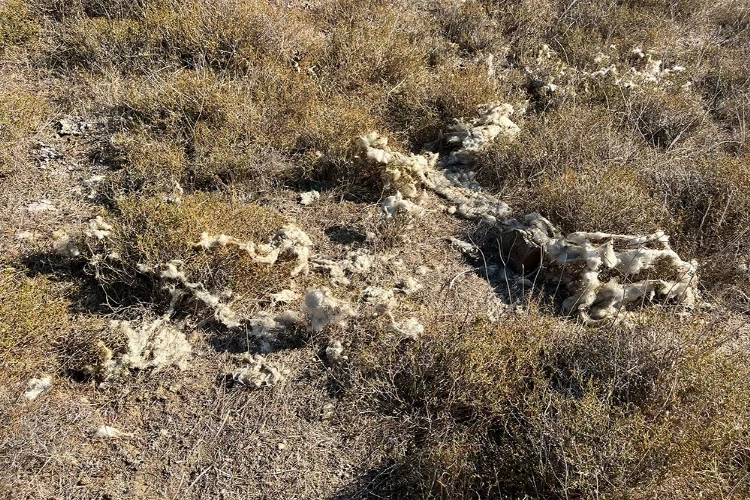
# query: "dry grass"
{"type": "Point", "coordinates": [33, 318]}
{"type": "Point", "coordinates": [215, 81]}
{"type": "Point", "coordinates": [535, 407]}
{"type": "Point", "coordinates": [244, 103]}
{"type": "Point", "coordinates": [39, 331]}
{"type": "Point", "coordinates": [154, 232]}
{"type": "Point", "coordinates": [21, 112]}
{"type": "Point", "coordinates": [18, 26]}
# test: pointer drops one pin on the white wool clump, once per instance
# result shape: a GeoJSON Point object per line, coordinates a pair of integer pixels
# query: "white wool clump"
{"type": "Point", "coordinates": [293, 243]}
{"type": "Point", "coordinates": [544, 52]}
{"type": "Point", "coordinates": [461, 190]}
{"type": "Point", "coordinates": [335, 352]}
{"type": "Point", "coordinates": [226, 315]}
{"type": "Point", "coordinates": [358, 262]}
{"type": "Point", "coordinates": [323, 309]}
{"type": "Point", "coordinates": [284, 297]}
{"type": "Point", "coordinates": [624, 258]}
{"type": "Point", "coordinates": [309, 197]}
{"type": "Point", "coordinates": [291, 318]}
{"type": "Point", "coordinates": [207, 242]}
{"type": "Point", "coordinates": [474, 135]}
{"type": "Point", "coordinates": [383, 300]}
{"type": "Point", "coordinates": [354, 262]}
{"type": "Point", "coordinates": [447, 177]}
{"type": "Point", "coordinates": [396, 204]}
{"type": "Point", "coordinates": [464, 246]}
{"type": "Point", "coordinates": [648, 70]}
{"type": "Point", "coordinates": [172, 271]}
{"type": "Point", "coordinates": [264, 327]}
{"type": "Point", "coordinates": [402, 173]}
{"type": "Point", "coordinates": [375, 148]}
{"type": "Point", "coordinates": [98, 228]}
{"type": "Point", "coordinates": [63, 244]}
{"type": "Point", "coordinates": [41, 206]}
{"type": "Point", "coordinates": [409, 286]}
{"type": "Point", "coordinates": [36, 386]}
{"type": "Point", "coordinates": [259, 372]}
{"type": "Point", "coordinates": [539, 241]}
{"type": "Point", "coordinates": [26, 235]}
{"type": "Point", "coordinates": [152, 345]}
{"type": "Point", "coordinates": [406, 173]}
{"type": "Point", "coordinates": [144, 268]}
{"type": "Point", "coordinates": [605, 72]}
{"type": "Point", "coordinates": [107, 432]}
{"type": "Point", "coordinates": [289, 242]}
{"type": "Point", "coordinates": [334, 269]}
{"type": "Point", "coordinates": [601, 57]}
{"type": "Point", "coordinates": [410, 329]}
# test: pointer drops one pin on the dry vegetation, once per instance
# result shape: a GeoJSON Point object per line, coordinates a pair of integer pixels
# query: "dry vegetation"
{"type": "Point", "coordinates": [152, 231]}
{"type": "Point", "coordinates": [532, 407]}
{"type": "Point", "coordinates": [244, 104]}
{"type": "Point", "coordinates": [32, 316]}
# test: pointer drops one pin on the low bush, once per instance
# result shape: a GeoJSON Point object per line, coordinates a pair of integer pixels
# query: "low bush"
{"type": "Point", "coordinates": [531, 407]}
{"type": "Point", "coordinates": [33, 319]}
{"type": "Point", "coordinates": [17, 25]}
{"type": "Point", "coordinates": [21, 112]}
{"type": "Point", "coordinates": [153, 232]}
